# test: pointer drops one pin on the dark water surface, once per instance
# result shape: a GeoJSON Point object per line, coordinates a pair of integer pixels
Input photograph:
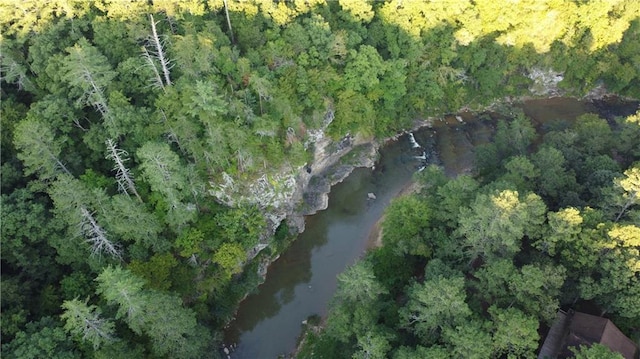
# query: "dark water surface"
{"type": "Point", "coordinates": [302, 281]}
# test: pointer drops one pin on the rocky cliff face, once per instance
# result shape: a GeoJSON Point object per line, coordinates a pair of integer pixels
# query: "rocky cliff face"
{"type": "Point", "coordinates": [333, 162]}
{"type": "Point", "coordinates": [545, 82]}
{"type": "Point", "coordinates": [294, 193]}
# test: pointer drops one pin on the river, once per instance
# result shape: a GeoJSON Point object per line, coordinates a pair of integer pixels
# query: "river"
{"type": "Point", "coordinates": [301, 282]}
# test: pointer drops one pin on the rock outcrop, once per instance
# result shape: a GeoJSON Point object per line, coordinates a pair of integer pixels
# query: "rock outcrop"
{"type": "Point", "coordinates": [292, 194]}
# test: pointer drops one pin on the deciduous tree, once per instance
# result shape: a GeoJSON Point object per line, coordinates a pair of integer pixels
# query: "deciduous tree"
{"type": "Point", "coordinates": [614, 281]}
{"type": "Point", "coordinates": [515, 333]}
{"type": "Point", "coordinates": [471, 340]}
{"type": "Point", "coordinates": [594, 134]}
{"type": "Point", "coordinates": [355, 307]}
{"type": "Point", "coordinates": [521, 172]}
{"type": "Point", "coordinates": [453, 195]}
{"type": "Point", "coordinates": [595, 351]}
{"type": "Point", "coordinates": [27, 225]}
{"type": "Point", "coordinates": [44, 338]}
{"type": "Point", "coordinates": [533, 288]}
{"type": "Point", "coordinates": [514, 137]}
{"type": "Point", "coordinates": [372, 345]}
{"type": "Point", "coordinates": [495, 224]}
{"type": "Point", "coordinates": [437, 303]}
{"type": "Point", "coordinates": [230, 257]}
{"type": "Point", "coordinates": [564, 226]}
{"type": "Point", "coordinates": [628, 188]}
{"type": "Point", "coordinates": [557, 180]}
{"type": "Point", "coordinates": [627, 144]}
{"type": "Point", "coordinates": [419, 352]}
{"type": "Point", "coordinates": [405, 226]}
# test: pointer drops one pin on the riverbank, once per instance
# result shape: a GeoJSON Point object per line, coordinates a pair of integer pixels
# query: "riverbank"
{"type": "Point", "coordinates": [301, 282]}
{"type": "Point", "coordinates": [395, 275]}
{"type": "Point", "coordinates": [451, 133]}
{"type": "Point", "coordinates": [335, 160]}
{"type": "Point", "coordinates": [374, 239]}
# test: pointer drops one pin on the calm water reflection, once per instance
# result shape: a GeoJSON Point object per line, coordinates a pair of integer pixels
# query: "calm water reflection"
{"type": "Point", "coordinates": [302, 281]}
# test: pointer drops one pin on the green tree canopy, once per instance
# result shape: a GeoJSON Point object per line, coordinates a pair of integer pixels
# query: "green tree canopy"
{"type": "Point", "coordinates": [405, 226]}
{"type": "Point", "coordinates": [595, 351]}
{"type": "Point", "coordinates": [84, 321]}
{"type": "Point", "coordinates": [435, 304]}
{"type": "Point", "coordinates": [495, 224]}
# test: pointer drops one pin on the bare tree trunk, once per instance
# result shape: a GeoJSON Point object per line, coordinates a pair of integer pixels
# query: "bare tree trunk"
{"type": "Point", "coordinates": [62, 166]}
{"type": "Point", "coordinates": [626, 206]}
{"type": "Point", "coordinates": [97, 99]}
{"type": "Point", "coordinates": [123, 175]}
{"type": "Point", "coordinates": [157, 80]}
{"type": "Point", "coordinates": [159, 51]}
{"type": "Point", "coordinates": [57, 161]}
{"type": "Point", "coordinates": [226, 11]}
{"type": "Point", "coordinates": [97, 236]}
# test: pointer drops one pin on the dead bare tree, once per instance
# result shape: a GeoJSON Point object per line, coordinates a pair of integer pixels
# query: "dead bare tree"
{"type": "Point", "coordinates": [226, 12]}
{"type": "Point", "coordinates": [156, 81]}
{"type": "Point", "coordinates": [97, 236]}
{"type": "Point", "coordinates": [95, 96]}
{"type": "Point", "coordinates": [157, 51]}
{"type": "Point", "coordinates": [123, 174]}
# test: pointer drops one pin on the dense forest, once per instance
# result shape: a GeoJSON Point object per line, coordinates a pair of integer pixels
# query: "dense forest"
{"type": "Point", "coordinates": [148, 147]}
{"type": "Point", "coordinates": [476, 266]}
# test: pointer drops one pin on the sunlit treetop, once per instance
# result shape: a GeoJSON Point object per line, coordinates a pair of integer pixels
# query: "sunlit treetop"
{"type": "Point", "coordinates": [21, 17]}
{"type": "Point", "coordinates": [518, 22]}
{"type": "Point", "coordinates": [596, 23]}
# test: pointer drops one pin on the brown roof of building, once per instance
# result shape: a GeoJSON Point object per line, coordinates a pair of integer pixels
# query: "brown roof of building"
{"type": "Point", "coordinates": [601, 330]}
{"type": "Point", "coordinates": [586, 329]}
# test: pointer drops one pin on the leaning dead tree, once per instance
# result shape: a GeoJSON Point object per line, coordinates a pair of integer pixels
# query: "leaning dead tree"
{"type": "Point", "coordinates": [124, 178]}
{"type": "Point", "coordinates": [89, 73]}
{"type": "Point", "coordinates": [95, 96]}
{"type": "Point", "coordinates": [96, 236]}
{"type": "Point", "coordinates": [14, 72]}
{"type": "Point", "coordinates": [156, 80]}
{"type": "Point", "coordinates": [156, 52]}
{"type": "Point", "coordinates": [226, 12]}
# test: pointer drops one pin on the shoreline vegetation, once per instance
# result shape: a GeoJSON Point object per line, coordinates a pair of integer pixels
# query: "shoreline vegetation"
{"type": "Point", "coordinates": [333, 164]}
{"type": "Point", "coordinates": [152, 149]}
{"type": "Point", "coordinates": [375, 235]}
{"type": "Point", "coordinates": [326, 336]}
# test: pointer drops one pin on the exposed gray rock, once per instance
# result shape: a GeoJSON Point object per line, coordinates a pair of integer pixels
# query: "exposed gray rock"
{"type": "Point", "coordinates": [328, 169]}
{"type": "Point", "coordinates": [545, 82]}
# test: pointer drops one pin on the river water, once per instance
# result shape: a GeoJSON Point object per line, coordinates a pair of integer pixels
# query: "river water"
{"type": "Point", "coordinates": [302, 281]}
